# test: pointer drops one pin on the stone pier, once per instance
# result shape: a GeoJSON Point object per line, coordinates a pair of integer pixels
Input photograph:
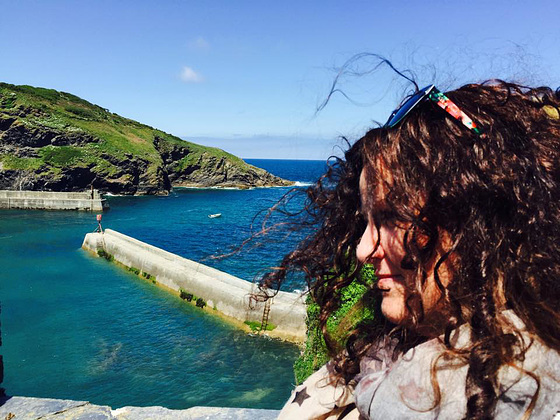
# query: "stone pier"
{"type": "Point", "coordinates": [51, 200]}
{"type": "Point", "coordinates": [222, 293]}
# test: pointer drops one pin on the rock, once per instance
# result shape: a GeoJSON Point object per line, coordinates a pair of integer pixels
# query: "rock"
{"type": "Point", "coordinates": [210, 171]}
{"type": "Point", "coordinates": [52, 409]}
{"type": "Point", "coordinates": [194, 413]}
{"type": "Point", "coordinates": [47, 408]}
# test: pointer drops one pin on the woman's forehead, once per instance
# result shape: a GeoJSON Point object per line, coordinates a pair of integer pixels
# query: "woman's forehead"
{"type": "Point", "coordinates": [372, 194]}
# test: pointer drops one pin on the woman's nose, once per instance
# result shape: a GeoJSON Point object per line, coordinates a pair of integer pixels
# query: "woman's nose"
{"type": "Point", "coordinates": [365, 249]}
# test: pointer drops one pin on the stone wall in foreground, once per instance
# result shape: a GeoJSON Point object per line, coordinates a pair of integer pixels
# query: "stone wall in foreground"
{"type": "Point", "coordinates": [47, 408]}
{"type": "Point", "coordinates": [51, 200]}
{"type": "Point", "coordinates": [223, 293]}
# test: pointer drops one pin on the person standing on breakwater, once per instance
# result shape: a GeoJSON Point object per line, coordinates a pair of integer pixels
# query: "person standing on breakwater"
{"type": "Point", "coordinates": [99, 227]}
{"type": "Point", "coordinates": [455, 201]}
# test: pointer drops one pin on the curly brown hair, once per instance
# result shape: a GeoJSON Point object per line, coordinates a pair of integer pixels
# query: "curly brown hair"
{"type": "Point", "coordinates": [496, 197]}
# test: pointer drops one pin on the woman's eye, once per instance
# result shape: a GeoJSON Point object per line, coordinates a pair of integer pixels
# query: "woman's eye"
{"type": "Point", "coordinates": [385, 217]}
{"type": "Point", "coordinates": [362, 213]}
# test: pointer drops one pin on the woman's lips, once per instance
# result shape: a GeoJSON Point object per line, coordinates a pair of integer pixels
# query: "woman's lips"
{"type": "Point", "coordinates": [385, 282]}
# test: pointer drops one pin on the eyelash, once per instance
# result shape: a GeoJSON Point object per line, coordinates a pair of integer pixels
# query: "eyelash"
{"type": "Point", "coordinates": [386, 216]}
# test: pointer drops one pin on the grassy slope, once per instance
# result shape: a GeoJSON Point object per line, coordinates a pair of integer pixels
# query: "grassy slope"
{"type": "Point", "coordinates": [71, 114]}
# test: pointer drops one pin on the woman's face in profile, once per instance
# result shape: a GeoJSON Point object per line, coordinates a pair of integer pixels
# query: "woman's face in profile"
{"type": "Point", "coordinates": [394, 282]}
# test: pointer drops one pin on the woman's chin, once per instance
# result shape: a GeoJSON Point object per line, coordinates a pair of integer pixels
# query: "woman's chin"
{"type": "Point", "coordinates": [393, 310]}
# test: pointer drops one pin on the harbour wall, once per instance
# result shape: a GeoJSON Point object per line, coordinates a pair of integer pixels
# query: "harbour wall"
{"type": "Point", "coordinates": [223, 293]}
{"type": "Point", "coordinates": [55, 409]}
{"type": "Point", "coordinates": [51, 200]}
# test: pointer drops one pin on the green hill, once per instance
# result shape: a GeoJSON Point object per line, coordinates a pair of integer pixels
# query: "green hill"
{"type": "Point", "coordinates": [56, 141]}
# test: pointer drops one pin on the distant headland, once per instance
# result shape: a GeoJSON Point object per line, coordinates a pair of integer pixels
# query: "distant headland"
{"type": "Point", "coordinates": [56, 141]}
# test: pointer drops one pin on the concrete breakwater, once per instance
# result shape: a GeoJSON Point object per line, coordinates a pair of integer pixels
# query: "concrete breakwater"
{"type": "Point", "coordinates": [282, 316]}
{"type": "Point", "coordinates": [51, 200]}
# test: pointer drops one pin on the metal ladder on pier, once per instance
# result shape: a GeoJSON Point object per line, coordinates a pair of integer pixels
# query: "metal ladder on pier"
{"type": "Point", "coordinates": [266, 313]}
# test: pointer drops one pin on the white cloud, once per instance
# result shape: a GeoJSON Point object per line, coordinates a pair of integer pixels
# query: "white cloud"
{"type": "Point", "coordinates": [188, 75]}
{"type": "Point", "coordinates": [199, 44]}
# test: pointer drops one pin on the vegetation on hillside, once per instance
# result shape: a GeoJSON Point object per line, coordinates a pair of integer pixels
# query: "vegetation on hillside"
{"type": "Point", "coordinates": [44, 132]}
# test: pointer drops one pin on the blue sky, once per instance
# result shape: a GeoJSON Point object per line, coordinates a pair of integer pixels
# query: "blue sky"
{"type": "Point", "coordinates": [247, 76]}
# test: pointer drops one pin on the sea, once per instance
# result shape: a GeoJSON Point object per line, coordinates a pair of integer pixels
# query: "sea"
{"type": "Point", "coordinates": [74, 326]}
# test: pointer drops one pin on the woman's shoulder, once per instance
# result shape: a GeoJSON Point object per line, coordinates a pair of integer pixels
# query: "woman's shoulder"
{"type": "Point", "coordinates": [321, 396]}
{"type": "Point", "coordinates": [535, 378]}
{"type": "Point", "coordinates": [429, 373]}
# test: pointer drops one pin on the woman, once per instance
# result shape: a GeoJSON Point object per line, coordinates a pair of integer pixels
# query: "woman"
{"type": "Point", "coordinates": [456, 203]}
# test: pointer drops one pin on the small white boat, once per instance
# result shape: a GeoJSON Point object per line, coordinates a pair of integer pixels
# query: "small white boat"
{"type": "Point", "coordinates": [213, 216]}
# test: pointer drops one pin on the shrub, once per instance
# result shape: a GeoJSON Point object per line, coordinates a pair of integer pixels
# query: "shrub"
{"type": "Point", "coordinates": [48, 94]}
{"type": "Point", "coordinates": [257, 327]}
{"type": "Point", "coordinates": [185, 296]}
{"type": "Point", "coordinates": [60, 156]}
{"type": "Point", "coordinates": [134, 270]}
{"type": "Point", "coordinates": [254, 325]}
{"type": "Point", "coordinates": [81, 112]}
{"type": "Point", "coordinates": [14, 162]}
{"type": "Point", "coordinates": [106, 255]}
{"type": "Point", "coordinates": [8, 102]}
{"type": "Point", "coordinates": [356, 307]}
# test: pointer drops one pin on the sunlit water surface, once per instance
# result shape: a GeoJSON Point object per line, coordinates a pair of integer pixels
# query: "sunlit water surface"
{"type": "Point", "coordinates": [77, 327]}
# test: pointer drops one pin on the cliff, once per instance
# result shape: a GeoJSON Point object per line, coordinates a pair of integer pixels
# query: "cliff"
{"type": "Point", "coordinates": [55, 141]}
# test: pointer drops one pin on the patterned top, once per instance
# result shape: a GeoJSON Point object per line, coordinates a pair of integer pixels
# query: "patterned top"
{"type": "Point", "coordinates": [402, 389]}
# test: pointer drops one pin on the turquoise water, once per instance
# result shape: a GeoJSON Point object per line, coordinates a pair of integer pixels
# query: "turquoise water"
{"type": "Point", "coordinates": [75, 326]}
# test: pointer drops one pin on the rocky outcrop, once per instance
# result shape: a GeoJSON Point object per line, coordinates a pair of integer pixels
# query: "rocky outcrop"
{"type": "Point", "coordinates": [54, 141]}
{"type": "Point", "coordinates": [208, 171]}
{"type": "Point", "coordinates": [186, 168]}
{"type": "Point", "coordinates": [19, 135]}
